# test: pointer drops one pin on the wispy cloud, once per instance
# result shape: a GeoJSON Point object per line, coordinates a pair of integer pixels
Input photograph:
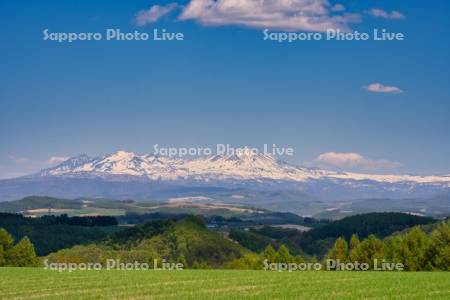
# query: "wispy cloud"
{"type": "Point", "coordinates": [154, 13]}
{"type": "Point", "coordinates": [354, 160]}
{"type": "Point", "coordinates": [304, 15]}
{"type": "Point", "coordinates": [379, 13]}
{"type": "Point", "coordinates": [381, 88]}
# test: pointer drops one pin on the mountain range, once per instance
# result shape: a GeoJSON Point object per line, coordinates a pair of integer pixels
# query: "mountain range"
{"type": "Point", "coordinates": [242, 177]}
{"type": "Point", "coordinates": [242, 165]}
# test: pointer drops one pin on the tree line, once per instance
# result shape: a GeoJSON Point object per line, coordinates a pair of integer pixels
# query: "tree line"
{"type": "Point", "coordinates": [87, 221]}
{"type": "Point", "coordinates": [49, 234]}
{"type": "Point", "coordinates": [416, 250]}
{"type": "Point", "coordinates": [420, 248]}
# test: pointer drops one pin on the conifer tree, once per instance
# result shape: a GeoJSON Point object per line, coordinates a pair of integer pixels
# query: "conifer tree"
{"type": "Point", "coordinates": [339, 251]}
{"type": "Point", "coordinates": [439, 253]}
{"type": "Point", "coordinates": [6, 240]}
{"type": "Point", "coordinates": [283, 255]}
{"type": "Point", "coordinates": [22, 254]}
{"type": "Point", "coordinates": [354, 242]}
{"type": "Point", "coordinates": [270, 254]}
{"type": "Point", "coordinates": [6, 243]}
{"type": "Point", "coordinates": [393, 246]}
{"type": "Point", "coordinates": [368, 250]}
{"type": "Point", "coordinates": [413, 249]}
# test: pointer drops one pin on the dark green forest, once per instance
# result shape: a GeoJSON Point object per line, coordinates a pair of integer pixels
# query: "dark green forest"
{"type": "Point", "coordinates": [317, 241]}
{"type": "Point", "coordinates": [49, 234]}
{"type": "Point", "coordinates": [418, 242]}
{"type": "Point", "coordinates": [189, 241]}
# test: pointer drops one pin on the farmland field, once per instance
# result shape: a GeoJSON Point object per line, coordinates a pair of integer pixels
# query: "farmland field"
{"type": "Point", "coordinates": [29, 283]}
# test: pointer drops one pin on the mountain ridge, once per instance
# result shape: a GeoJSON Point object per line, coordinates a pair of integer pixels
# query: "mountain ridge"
{"type": "Point", "coordinates": [238, 166]}
{"type": "Point", "coordinates": [252, 179]}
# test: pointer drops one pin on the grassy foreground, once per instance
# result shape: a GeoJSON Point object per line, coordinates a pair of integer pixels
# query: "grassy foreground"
{"type": "Point", "coordinates": [17, 283]}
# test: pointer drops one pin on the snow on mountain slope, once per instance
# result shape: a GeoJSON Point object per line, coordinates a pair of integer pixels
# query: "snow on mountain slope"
{"type": "Point", "coordinates": [393, 178]}
{"type": "Point", "coordinates": [67, 166]}
{"type": "Point", "coordinates": [242, 165]}
{"type": "Point", "coordinates": [121, 163]}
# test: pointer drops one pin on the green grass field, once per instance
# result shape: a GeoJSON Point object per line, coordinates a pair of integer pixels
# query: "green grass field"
{"type": "Point", "coordinates": [16, 283]}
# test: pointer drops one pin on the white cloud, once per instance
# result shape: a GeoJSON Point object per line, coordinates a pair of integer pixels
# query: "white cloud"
{"type": "Point", "coordinates": [380, 88]}
{"type": "Point", "coordinates": [57, 159]}
{"type": "Point", "coordinates": [379, 13]}
{"type": "Point", "coordinates": [305, 15]}
{"type": "Point", "coordinates": [354, 160]}
{"type": "Point", "coordinates": [154, 13]}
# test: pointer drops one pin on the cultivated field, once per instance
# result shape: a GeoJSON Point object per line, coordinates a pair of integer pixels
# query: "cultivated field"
{"type": "Point", "coordinates": [18, 283]}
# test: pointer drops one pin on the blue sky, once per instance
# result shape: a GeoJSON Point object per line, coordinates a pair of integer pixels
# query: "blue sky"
{"type": "Point", "coordinates": [225, 84]}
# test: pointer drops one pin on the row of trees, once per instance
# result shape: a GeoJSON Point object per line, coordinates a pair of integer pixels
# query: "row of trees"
{"type": "Point", "coordinates": [87, 221]}
{"type": "Point", "coordinates": [416, 250]}
{"type": "Point", "coordinates": [189, 242]}
{"type": "Point", "coordinates": [21, 254]}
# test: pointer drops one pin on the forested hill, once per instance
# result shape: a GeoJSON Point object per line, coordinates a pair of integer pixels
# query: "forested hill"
{"type": "Point", "coordinates": [50, 233]}
{"type": "Point", "coordinates": [318, 240]}
{"type": "Point", "coordinates": [187, 241]}
{"type": "Point", "coordinates": [37, 202]}
{"type": "Point", "coordinates": [379, 224]}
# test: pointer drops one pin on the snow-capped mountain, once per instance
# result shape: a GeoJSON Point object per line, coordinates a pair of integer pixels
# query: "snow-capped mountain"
{"type": "Point", "coordinates": [242, 178]}
{"type": "Point", "coordinates": [242, 165]}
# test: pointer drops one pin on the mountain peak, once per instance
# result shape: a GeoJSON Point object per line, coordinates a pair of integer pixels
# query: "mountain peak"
{"type": "Point", "coordinates": [122, 154]}
{"type": "Point", "coordinates": [68, 165]}
{"type": "Point", "coordinates": [79, 158]}
{"type": "Point", "coordinates": [241, 155]}
{"type": "Point", "coordinates": [243, 164]}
